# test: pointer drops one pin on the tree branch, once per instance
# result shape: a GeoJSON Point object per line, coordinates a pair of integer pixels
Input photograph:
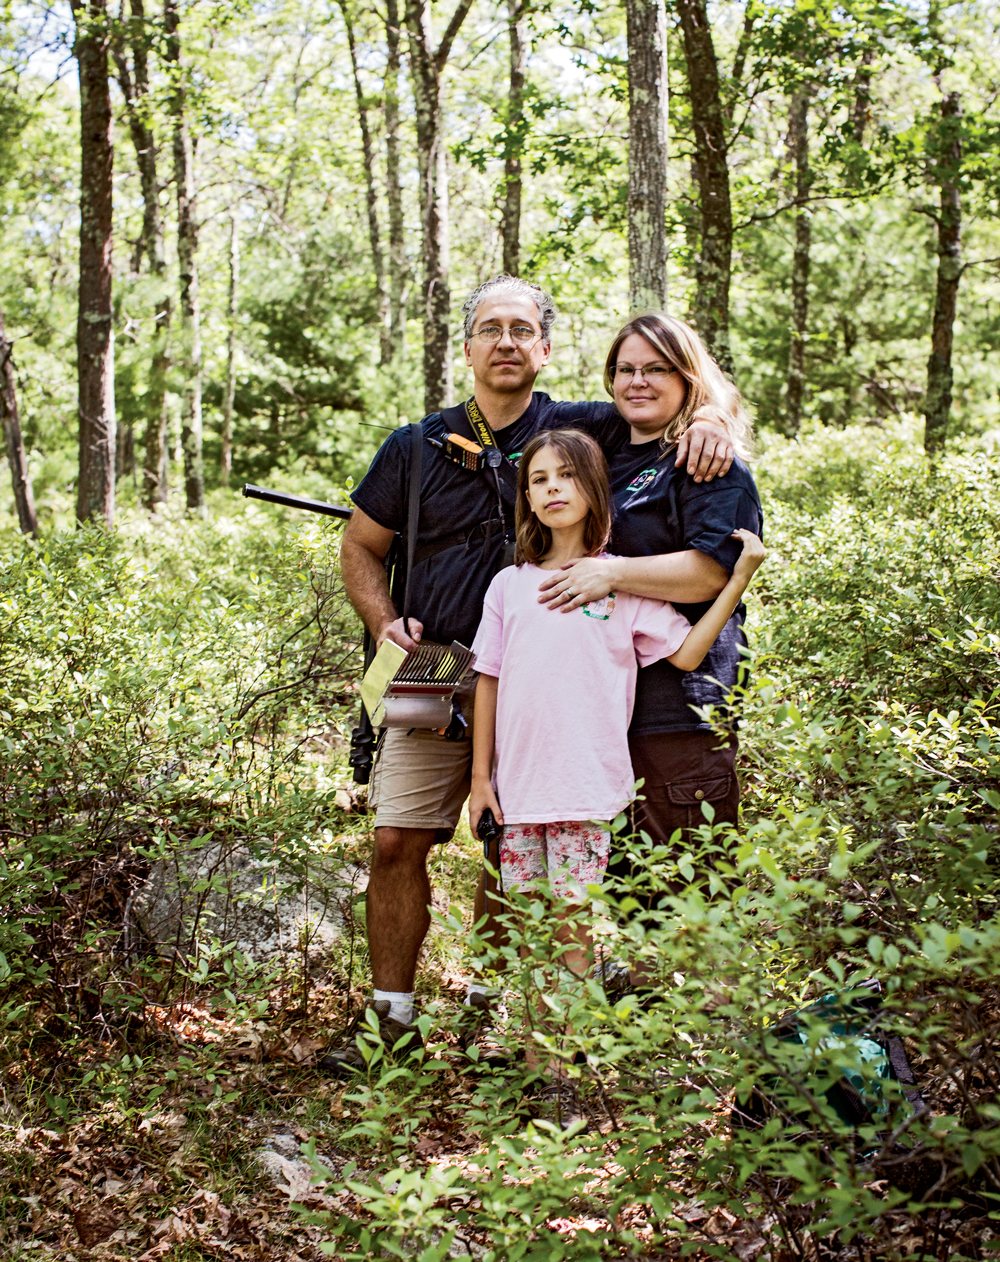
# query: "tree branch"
{"type": "Point", "coordinates": [977, 263]}
{"type": "Point", "coordinates": [444, 48]}
{"type": "Point", "coordinates": [798, 203]}
{"type": "Point", "coordinates": [739, 61]}
{"type": "Point", "coordinates": [303, 679]}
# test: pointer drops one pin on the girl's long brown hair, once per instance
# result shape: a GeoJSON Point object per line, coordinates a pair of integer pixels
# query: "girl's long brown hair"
{"type": "Point", "coordinates": [590, 472]}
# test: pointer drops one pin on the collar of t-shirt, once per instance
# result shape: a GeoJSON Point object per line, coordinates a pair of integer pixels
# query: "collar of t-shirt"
{"type": "Point", "coordinates": [512, 438]}
{"type": "Point", "coordinates": [638, 466]}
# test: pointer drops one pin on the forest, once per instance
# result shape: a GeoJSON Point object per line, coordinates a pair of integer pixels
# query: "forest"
{"type": "Point", "coordinates": [236, 241]}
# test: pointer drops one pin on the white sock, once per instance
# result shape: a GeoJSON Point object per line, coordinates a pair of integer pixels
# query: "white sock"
{"type": "Point", "coordinates": [475, 989]}
{"type": "Point", "coordinates": [400, 1004]}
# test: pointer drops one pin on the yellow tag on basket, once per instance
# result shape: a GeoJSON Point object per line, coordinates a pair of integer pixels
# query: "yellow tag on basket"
{"type": "Point", "coordinates": [378, 676]}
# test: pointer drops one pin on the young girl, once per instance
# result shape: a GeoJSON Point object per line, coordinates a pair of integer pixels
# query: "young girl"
{"type": "Point", "coordinates": [555, 692]}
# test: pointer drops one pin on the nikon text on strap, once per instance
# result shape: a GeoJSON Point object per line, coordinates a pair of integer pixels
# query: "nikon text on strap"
{"type": "Point", "coordinates": [484, 433]}
{"type": "Point", "coordinates": [495, 459]}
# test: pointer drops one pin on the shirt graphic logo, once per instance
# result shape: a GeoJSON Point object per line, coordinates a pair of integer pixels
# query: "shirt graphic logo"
{"type": "Point", "coordinates": [514, 457]}
{"type": "Point", "coordinates": [644, 479]}
{"type": "Point", "coordinates": [600, 609]}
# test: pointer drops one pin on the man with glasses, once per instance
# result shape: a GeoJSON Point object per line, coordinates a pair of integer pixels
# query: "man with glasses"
{"type": "Point", "coordinates": [466, 529]}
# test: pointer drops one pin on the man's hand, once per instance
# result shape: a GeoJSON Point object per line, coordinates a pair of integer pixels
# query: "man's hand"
{"type": "Point", "coordinates": [481, 798]}
{"type": "Point", "coordinates": [590, 578]}
{"type": "Point", "coordinates": [396, 632]}
{"type": "Point", "coordinates": [706, 449]}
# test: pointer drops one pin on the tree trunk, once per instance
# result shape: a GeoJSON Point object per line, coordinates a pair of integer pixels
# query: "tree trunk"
{"type": "Point", "coordinates": [646, 24]}
{"type": "Point", "coordinates": [17, 459]}
{"type": "Point", "coordinates": [187, 258]}
{"type": "Point", "coordinates": [937, 403]}
{"type": "Point", "coordinates": [95, 497]}
{"type": "Point", "coordinates": [398, 267]}
{"type": "Point", "coordinates": [750, 16]}
{"type": "Point", "coordinates": [154, 465]}
{"type": "Point", "coordinates": [862, 96]}
{"type": "Point", "coordinates": [516, 134]}
{"type": "Point", "coordinates": [226, 458]}
{"type": "Point", "coordinates": [125, 451]}
{"type": "Point", "coordinates": [711, 300]}
{"type": "Point", "coordinates": [427, 67]}
{"type": "Point", "coordinates": [374, 237]}
{"type": "Point", "coordinates": [135, 89]}
{"type": "Point", "coordinates": [798, 127]}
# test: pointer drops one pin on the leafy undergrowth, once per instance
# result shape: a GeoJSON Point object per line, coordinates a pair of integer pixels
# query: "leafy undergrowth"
{"type": "Point", "coordinates": [193, 687]}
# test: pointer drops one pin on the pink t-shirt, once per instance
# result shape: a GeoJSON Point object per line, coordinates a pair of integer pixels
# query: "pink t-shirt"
{"type": "Point", "coordinates": [564, 701]}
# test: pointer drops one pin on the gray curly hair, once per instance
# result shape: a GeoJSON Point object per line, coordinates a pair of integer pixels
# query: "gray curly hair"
{"type": "Point", "coordinates": [504, 284]}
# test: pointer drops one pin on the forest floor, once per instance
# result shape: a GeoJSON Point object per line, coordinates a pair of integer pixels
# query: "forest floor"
{"type": "Point", "coordinates": [194, 1181]}
{"type": "Point", "coordinates": [250, 1145]}
{"type": "Point", "coordinates": [201, 1177]}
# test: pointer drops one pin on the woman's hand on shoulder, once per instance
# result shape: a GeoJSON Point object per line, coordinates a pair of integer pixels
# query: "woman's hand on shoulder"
{"type": "Point", "coordinates": [750, 558]}
{"type": "Point", "coordinates": [705, 448]}
{"type": "Point", "coordinates": [590, 578]}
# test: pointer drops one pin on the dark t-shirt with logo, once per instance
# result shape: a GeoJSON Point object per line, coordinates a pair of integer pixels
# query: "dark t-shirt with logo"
{"type": "Point", "coordinates": [461, 535]}
{"type": "Point", "coordinates": [661, 510]}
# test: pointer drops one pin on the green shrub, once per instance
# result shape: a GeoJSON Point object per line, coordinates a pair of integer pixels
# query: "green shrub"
{"type": "Point", "coordinates": [196, 681]}
{"type": "Point", "coordinates": [869, 852]}
{"type": "Point", "coordinates": [161, 689]}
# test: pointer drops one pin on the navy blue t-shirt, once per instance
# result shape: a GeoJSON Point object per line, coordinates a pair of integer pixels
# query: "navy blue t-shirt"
{"type": "Point", "coordinates": [657, 510]}
{"type": "Point", "coordinates": [461, 536]}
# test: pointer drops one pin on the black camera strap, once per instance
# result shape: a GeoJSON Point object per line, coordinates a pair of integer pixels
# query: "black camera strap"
{"type": "Point", "coordinates": [498, 464]}
{"type": "Point", "coordinates": [482, 430]}
{"type": "Point", "coordinates": [413, 511]}
{"type": "Point", "coordinates": [496, 461]}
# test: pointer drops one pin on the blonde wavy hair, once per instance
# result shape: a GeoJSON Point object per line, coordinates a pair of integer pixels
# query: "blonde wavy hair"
{"type": "Point", "coordinates": [710, 394]}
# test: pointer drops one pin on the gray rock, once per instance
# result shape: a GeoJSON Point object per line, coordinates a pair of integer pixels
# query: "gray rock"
{"type": "Point", "coordinates": [267, 911]}
{"type": "Point", "coordinates": [294, 1178]}
{"type": "Point", "coordinates": [284, 1144]}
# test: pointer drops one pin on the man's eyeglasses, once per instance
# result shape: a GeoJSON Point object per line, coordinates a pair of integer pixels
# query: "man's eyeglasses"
{"type": "Point", "coordinates": [520, 334]}
{"type": "Point", "coordinates": [651, 372]}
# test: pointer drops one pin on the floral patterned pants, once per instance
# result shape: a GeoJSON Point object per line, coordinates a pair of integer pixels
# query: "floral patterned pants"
{"type": "Point", "coordinates": [571, 854]}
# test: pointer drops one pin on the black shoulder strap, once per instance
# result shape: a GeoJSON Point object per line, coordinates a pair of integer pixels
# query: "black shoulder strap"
{"type": "Point", "coordinates": [413, 510]}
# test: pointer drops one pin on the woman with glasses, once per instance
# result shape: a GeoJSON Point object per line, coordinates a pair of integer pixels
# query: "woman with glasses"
{"type": "Point", "coordinates": [668, 522]}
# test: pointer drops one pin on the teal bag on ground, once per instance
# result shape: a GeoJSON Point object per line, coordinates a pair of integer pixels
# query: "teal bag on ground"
{"type": "Point", "coordinates": [861, 1057]}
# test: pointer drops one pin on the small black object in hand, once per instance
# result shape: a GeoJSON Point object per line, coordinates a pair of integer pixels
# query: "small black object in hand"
{"type": "Point", "coordinates": [488, 828]}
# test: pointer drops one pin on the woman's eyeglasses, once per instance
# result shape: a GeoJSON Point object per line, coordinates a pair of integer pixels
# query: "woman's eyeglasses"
{"type": "Point", "coordinates": [651, 372]}
{"type": "Point", "coordinates": [520, 334]}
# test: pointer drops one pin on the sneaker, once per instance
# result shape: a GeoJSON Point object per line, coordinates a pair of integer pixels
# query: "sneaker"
{"type": "Point", "coordinates": [347, 1059]}
{"type": "Point", "coordinates": [558, 1101]}
{"type": "Point", "coordinates": [614, 976]}
{"type": "Point", "coordinates": [477, 1029]}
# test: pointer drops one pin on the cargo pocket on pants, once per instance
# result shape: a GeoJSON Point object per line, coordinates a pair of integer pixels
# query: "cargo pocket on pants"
{"type": "Point", "coordinates": [694, 792]}
{"type": "Point", "coordinates": [688, 795]}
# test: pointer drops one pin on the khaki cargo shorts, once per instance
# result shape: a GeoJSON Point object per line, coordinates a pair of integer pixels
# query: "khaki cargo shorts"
{"type": "Point", "coordinates": [421, 780]}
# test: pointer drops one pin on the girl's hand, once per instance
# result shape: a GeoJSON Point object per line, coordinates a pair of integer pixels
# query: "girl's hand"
{"type": "Point", "coordinates": [751, 557]}
{"type": "Point", "coordinates": [481, 798]}
{"type": "Point", "coordinates": [590, 578]}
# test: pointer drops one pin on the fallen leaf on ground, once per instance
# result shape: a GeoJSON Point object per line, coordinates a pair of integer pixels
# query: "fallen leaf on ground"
{"type": "Point", "coordinates": [94, 1224]}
